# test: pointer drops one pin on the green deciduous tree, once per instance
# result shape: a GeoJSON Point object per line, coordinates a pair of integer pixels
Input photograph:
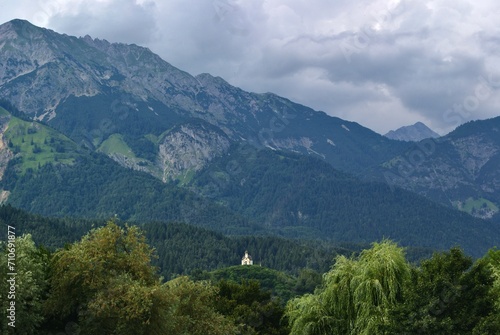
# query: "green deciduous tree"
{"type": "Point", "coordinates": [30, 265]}
{"type": "Point", "coordinates": [187, 308]}
{"type": "Point", "coordinates": [448, 294]}
{"type": "Point", "coordinates": [251, 308]}
{"type": "Point", "coordinates": [491, 323]}
{"type": "Point", "coordinates": [106, 284]}
{"type": "Point", "coordinates": [356, 296]}
{"type": "Point", "coordinates": [493, 259]}
{"type": "Point", "coordinates": [307, 281]}
{"type": "Point", "coordinates": [104, 281]}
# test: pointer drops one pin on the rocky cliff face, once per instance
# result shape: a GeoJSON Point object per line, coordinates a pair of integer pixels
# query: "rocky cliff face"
{"type": "Point", "coordinates": [5, 154]}
{"type": "Point", "coordinates": [37, 72]}
{"type": "Point", "coordinates": [188, 148]}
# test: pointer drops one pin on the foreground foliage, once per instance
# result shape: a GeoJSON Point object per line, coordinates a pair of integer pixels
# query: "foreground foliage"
{"type": "Point", "coordinates": [448, 294]}
{"type": "Point", "coordinates": [357, 294]}
{"type": "Point", "coordinates": [31, 265]}
{"type": "Point", "coordinates": [380, 293]}
{"type": "Point", "coordinates": [106, 283]}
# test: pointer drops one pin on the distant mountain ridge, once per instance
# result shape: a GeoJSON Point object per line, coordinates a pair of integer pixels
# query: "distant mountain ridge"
{"type": "Point", "coordinates": [460, 169]}
{"type": "Point", "coordinates": [413, 133]}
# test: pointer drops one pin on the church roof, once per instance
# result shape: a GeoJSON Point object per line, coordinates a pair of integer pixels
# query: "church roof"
{"type": "Point", "coordinates": [247, 256]}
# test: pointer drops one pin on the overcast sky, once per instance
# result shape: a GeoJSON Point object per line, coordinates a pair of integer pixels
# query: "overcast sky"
{"type": "Point", "coordinates": [384, 64]}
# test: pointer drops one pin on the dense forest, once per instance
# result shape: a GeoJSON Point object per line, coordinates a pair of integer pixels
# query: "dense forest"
{"type": "Point", "coordinates": [106, 283]}
{"type": "Point", "coordinates": [94, 186]}
{"type": "Point", "coordinates": [184, 249]}
{"type": "Point", "coordinates": [304, 196]}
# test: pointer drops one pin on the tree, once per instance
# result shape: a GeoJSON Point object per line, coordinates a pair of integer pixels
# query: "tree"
{"type": "Point", "coordinates": [252, 309]}
{"type": "Point", "coordinates": [36, 149]}
{"type": "Point", "coordinates": [307, 281]}
{"type": "Point", "coordinates": [188, 308]}
{"type": "Point", "coordinates": [491, 324]}
{"type": "Point", "coordinates": [356, 296]}
{"type": "Point", "coordinates": [493, 259]}
{"type": "Point", "coordinates": [106, 283]}
{"type": "Point", "coordinates": [448, 294]}
{"type": "Point", "coordinates": [30, 266]}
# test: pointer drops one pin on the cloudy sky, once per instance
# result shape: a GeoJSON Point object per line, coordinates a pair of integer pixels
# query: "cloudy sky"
{"type": "Point", "coordinates": [383, 64]}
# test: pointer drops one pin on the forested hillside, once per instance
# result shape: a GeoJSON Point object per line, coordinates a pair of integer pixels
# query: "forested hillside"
{"type": "Point", "coordinates": [304, 196]}
{"type": "Point", "coordinates": [94, 186]}
{"type": "Point", "coordinates": [247, 191]}
{"type": "Point", "coordinates": [184, 249]}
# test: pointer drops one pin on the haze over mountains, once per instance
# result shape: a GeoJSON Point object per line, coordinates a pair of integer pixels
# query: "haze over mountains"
{"type": "Point", "coordinates": [196, 149]}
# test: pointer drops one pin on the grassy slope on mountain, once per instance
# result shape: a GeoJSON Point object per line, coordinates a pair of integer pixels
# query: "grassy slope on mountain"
{"type": "Point", "coordinates": [115, 144]}
{"type": "Point", "coordinates": [37, 144]}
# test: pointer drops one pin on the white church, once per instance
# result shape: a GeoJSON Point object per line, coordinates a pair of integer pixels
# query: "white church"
{"type": "Point", "coordinates": [247, 259]}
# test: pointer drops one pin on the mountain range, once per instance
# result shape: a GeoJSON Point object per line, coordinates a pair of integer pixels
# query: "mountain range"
{"type": "Point", "coordinates": [90, 89]}
{"type": "Point", "coordinates": [93, 129]}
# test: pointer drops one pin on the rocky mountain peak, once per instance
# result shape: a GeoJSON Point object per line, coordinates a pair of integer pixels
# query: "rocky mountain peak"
{"type": "Point", "coordinates": [95, 42]}
{"type": "Point", "coordinates": [16, 26]}
{"type": "Point", "coordinates": [414, 133]}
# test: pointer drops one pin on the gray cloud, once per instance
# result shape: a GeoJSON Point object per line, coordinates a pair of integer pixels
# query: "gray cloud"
{"type": "Point", "coordinates": [117, 20]}
{"type": "Point", "coordinates": [383, 64]}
